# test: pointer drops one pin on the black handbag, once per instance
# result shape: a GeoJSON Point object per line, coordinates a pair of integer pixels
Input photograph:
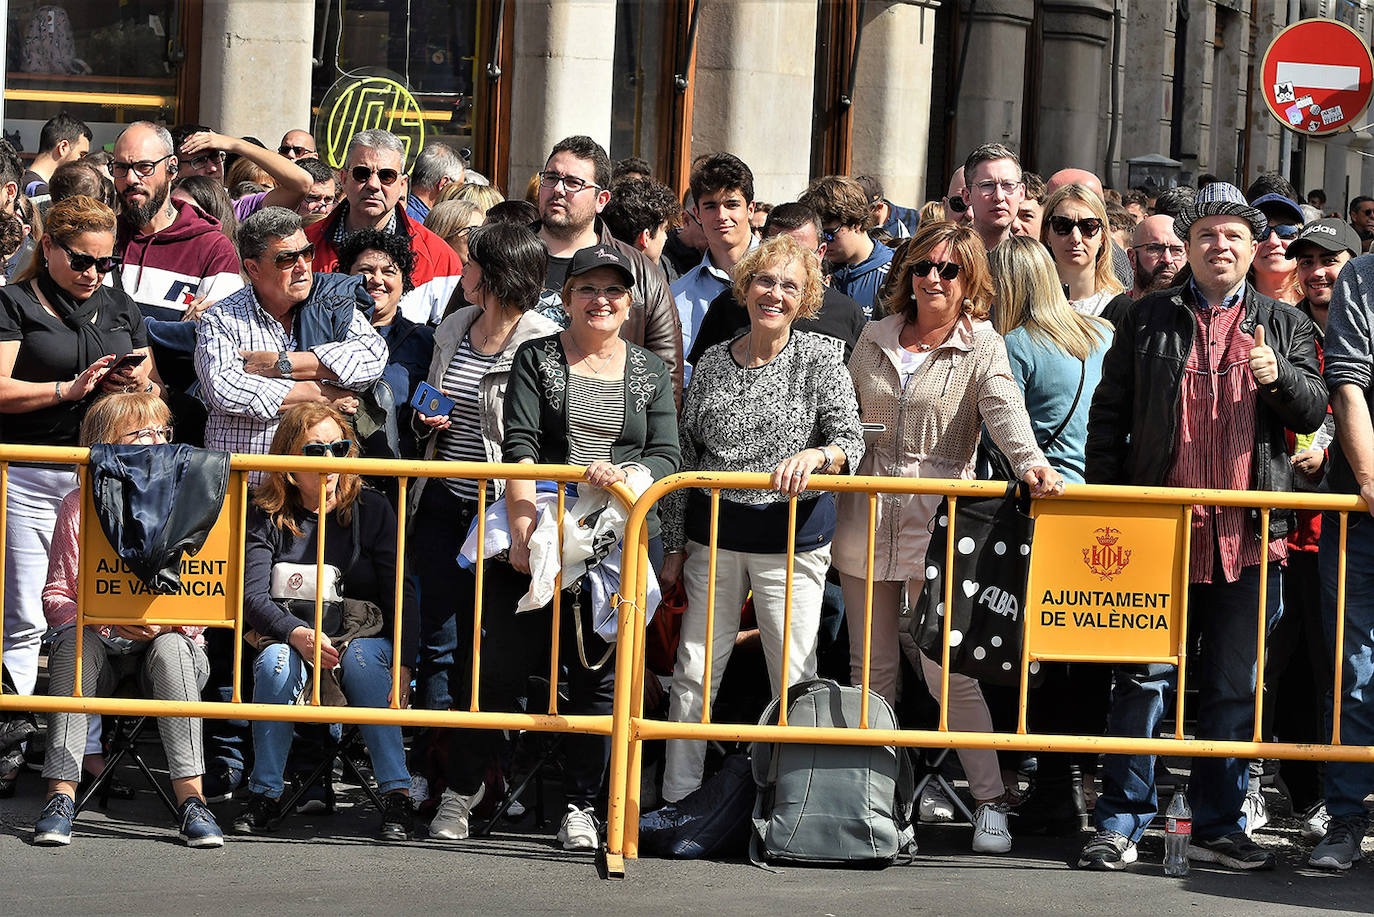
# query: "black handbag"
{"type": "Point", "coordinates": [991, 563]}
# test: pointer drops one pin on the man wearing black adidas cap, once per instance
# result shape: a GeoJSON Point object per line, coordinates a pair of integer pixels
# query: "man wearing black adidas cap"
{"type": "Point", "coordinates": [1321, 250]}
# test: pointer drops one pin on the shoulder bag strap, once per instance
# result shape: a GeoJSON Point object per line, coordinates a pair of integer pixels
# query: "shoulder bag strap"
{"type": "Point", "coordinates": [1054, 437]}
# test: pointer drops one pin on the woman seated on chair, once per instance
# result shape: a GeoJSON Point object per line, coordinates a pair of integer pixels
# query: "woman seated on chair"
{"type": "Point", "coordinates": [170, 662]}
{"type": "Point", "coordinates": [360, 572]}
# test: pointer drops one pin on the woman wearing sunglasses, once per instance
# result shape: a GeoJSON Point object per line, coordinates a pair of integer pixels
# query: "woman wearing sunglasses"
{"type": "Point", "coordinates": [170, 662]}
{"type": "Point", "coordinates": [61, 333]}
{"type": "Point", "coordinates": [932, 374]}
{"type": "Point", "coordinates": [774, 400]}
{"type": "Point", "coordinates": [360, 563]}
{"type": "Point", "coordinates": [1075, 229]}
{"type": "Point", "coordinates": [1273, 273]}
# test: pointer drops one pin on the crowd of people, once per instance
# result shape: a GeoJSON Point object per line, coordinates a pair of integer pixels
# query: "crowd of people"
{"type": "Point", "coordinates": [1047, 330]}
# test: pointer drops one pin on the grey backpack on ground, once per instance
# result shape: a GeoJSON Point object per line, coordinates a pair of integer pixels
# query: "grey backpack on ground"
{"type": "Point", "coordinates": [832, 803]}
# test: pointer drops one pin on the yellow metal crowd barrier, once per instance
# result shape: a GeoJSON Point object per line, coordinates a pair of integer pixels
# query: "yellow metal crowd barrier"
{"type": "Point", "coordinates": [1079, 506]}
{"type": "Point", "coordinates": [1167, 509]}
{"type": "Point", "coordinates": [225, 608]}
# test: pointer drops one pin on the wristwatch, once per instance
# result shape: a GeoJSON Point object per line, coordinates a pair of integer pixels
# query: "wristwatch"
{"type": "Point", "coordinates": [284, 364]}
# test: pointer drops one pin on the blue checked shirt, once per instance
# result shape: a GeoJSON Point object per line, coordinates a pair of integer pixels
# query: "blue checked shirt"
{"type": "Point", "coordinates": [245, 408]}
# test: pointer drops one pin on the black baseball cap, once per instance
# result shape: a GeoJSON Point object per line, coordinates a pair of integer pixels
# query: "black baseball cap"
{"type": "Point", "coordinates": [1330, 234]}
{"type": "Point", "coordinates": [601, 255]}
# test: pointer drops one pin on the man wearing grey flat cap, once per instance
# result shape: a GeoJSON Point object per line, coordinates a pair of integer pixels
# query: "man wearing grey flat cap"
{"type": "Point", "coordinates": [1197, 390]}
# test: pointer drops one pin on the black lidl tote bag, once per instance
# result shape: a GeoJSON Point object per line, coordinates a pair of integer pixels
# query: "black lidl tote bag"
{"type": "Point", "coordinates": [991, 562]}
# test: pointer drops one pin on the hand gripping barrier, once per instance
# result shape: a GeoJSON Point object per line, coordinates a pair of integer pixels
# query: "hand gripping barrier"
{"type": "Point", "coordinates": [1081, 509]}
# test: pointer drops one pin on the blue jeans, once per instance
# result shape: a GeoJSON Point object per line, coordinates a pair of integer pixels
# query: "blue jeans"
{"type": "Point", "coordinates": [1347, 783]}
{"type": "Point", "coordinates": [1221, 619]}
{"type": "Point", "coordinates": [279, 674]}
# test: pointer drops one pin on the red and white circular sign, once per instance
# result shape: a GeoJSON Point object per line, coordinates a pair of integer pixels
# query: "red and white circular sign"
{"type": "Point", "coordinates": [1317, 76]}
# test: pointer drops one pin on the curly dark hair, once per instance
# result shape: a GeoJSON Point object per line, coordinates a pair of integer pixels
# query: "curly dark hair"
{"type": "Point", "coordinates": [396, 247]}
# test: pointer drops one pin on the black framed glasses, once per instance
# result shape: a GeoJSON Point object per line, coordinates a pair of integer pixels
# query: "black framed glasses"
{"type": "Point", "coordinates": [338, 449]}
{"type": "Point", "coordinates": [286, 260]}
{"type": "Point", "coordinates": [363, 174]}
{"type": "Point", "coordinates": [571, 183]}
{"type": "Point", "coordinates": [1087, 227]}
{"type": "Point", "coordinates": [81, 262]}
{"type": "Point", "coordinates": [828, 235]}
{"type": "Point", "coordinates": [948, 269]}
{"type": "Point", "coordinates": [142, 169]}
{"type": "Point", "coordinates": [204, 159]}
{"type": "Point", "coordinates": [1160, 250]}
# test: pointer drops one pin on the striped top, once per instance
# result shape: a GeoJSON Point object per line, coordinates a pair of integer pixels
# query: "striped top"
{"type": "Point", "coordinates": [462, 441]}
{"type": "Point", "coordinates": [596, 414]}
{"type": "Point", "coordinates": [1216, 438]}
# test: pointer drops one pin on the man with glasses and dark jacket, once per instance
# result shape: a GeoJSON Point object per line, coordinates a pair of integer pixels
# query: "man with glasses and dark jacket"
{"type": "Point", "coordinates": [373, 180]}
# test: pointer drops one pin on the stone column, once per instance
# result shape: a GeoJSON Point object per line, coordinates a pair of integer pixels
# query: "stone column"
{"type": "Point", "coordinates": [755, 83]}
{"type": "Point", "coordinates": [990, 97]}
{"type": "Point", "coordinates": [1147, 97]}
{"type": "Point", "coordinates": [1075, 85]}
{"type": "Point", "coordinates": [255, 67]}
{"type": "Point", "coordinates": [561, 79]}
{"type": "Point", "coordinates": [891, 135]}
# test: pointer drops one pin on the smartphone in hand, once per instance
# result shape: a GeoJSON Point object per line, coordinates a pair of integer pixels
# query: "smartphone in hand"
{"type": "Point", "coordinates": [431, 402]}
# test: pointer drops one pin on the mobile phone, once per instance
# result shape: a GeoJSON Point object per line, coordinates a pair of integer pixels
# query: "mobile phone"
{"type": "Point", "coordinates": [431, 402]}
{"type": "Point", "coordinates": [126, 362]}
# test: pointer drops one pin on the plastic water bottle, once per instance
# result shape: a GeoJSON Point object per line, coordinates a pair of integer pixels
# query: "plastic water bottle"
{"type": "Point", "coordinates": [1178, 831]}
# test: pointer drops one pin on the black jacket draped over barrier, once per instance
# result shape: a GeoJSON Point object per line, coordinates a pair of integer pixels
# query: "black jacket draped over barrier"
{"type": "Point", "coordinates": [157, 502]}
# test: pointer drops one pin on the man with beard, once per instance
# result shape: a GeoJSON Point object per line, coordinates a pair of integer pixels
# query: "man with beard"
{"type": "Point", "coordinates": [373, 180]}
{"type": "Point", "coordinates": [573, 190]}
{"type": "Point", "coordinates": [1156, 254]}
{"type": "Point", "coordinates": [176, 260]}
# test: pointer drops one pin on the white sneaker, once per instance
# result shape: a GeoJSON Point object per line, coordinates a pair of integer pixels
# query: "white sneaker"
{"type": "Point", "coordinates": [579, 830]}
{"type": "Point", "coordinates": [1255, 810]}
{"type": "Point", "coordinates": [934, 805]}
{"type": "Point", "coordinates": [450, 823]}
{"type": "Point", "coordinates": [1315, 823]}
{"type": "Point", "coordinates": [990, 831]}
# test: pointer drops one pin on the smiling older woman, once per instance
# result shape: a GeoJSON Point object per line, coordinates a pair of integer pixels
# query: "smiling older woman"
{"type": "Point", "coordinates": [772, 400]}
{"type": "Point", "coordinates": [932, 374]}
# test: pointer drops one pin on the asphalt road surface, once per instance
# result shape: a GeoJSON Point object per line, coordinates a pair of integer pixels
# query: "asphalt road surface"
{"type": "Point", "coordinates": [128, 860]}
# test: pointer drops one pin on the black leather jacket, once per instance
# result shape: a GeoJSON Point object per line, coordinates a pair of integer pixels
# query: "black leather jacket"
{"type": "Point", "coordinates": [1133, 425]}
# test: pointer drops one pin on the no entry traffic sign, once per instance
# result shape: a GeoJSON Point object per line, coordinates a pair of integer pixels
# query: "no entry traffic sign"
{"type": "Point", "coordinates": [1317, 76]}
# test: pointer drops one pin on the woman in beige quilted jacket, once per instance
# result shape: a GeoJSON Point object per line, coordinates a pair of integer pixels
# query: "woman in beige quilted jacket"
{"type": "Point", "coordinates": [932, 373]}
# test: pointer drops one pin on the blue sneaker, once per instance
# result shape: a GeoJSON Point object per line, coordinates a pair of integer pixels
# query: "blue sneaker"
{"type": "Point", "coordinates": [198, 826]}
{"type": "Point", "coordinates": [54, 826]}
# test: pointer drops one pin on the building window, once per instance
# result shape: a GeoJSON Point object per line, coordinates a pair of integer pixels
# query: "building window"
{"type": "Point", "coordinates": [638, 75]}
{"type": "Point", "coordinates": [431, 46]}
{"type": "Point", "coordinates": [105, 63]}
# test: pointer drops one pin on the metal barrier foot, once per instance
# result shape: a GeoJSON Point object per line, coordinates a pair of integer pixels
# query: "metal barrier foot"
{"type": "Point", "coordinates": [613, 864]}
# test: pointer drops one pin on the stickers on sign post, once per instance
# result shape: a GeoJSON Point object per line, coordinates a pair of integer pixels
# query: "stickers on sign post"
{"type": "Point", "coordinates": [1332, 115]}
{"type": "Point", "coordinates": [1283, 92]}
{"type": "Point", "coordinates": [1294, 114]}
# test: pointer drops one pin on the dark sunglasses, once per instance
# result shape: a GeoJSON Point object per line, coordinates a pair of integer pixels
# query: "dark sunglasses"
{"type": "Point", "coordinates": [1286, 233]}
{"type": "Point", "coordinates": [1087, 227]}
{"type": "Point", "coordinates": [948, 269]}
{"type": "Point", "coordinates": [287, 260]}
{"type": "Point", "coordinates": [297, 151]}
{"type": "Point", "coordinates": [339, 449]}
{"type": "Point", "coordinates": [81, 263]}
{"type": "Point", "coordinates": [361, 175]}
{"type": "Point", "coordinates": [955, 204]}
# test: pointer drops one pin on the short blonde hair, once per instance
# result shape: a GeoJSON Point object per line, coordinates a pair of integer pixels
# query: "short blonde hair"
{"type": "Point", "coordinates": [117, 414]}
{"type": "Point", "coordinates": [484, 196]}
{"type": "Point", "coordinates": [782, 249]}
{"type": "Point", "coordinates": [447, 217]}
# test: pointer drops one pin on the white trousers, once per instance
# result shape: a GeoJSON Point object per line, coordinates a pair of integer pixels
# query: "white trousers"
{"type": "Point", "coordinates": [737, 573]}
{"type": "Point", "coordinates": [32, 500]}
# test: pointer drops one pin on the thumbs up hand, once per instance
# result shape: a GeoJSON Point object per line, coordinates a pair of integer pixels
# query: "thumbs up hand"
{"type": "Point", "coordinates": [1263, 365]}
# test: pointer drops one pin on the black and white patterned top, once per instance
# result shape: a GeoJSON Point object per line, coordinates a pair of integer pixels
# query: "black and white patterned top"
{"type": "Point", "coordinates": [738, 419]}
{"type": "Point", "coordinates": [462, 441]}
{"type": "Point", "coordinates": [596, 412]}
